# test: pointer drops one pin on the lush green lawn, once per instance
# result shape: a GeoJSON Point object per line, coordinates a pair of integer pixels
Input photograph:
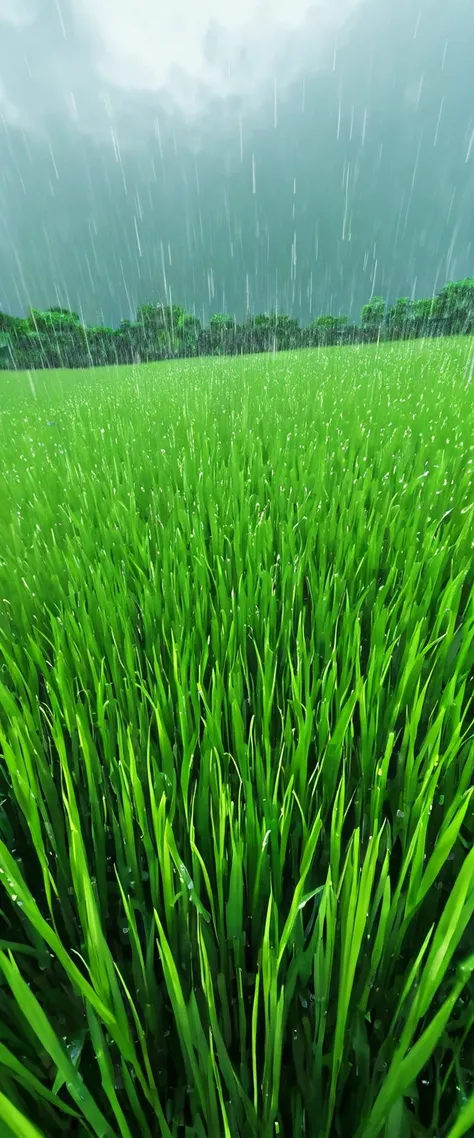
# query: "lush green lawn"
{"type": "Point", "coordinates": [236, 724]}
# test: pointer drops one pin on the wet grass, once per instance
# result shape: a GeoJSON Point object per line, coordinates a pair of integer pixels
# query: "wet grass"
{"type": "Point", "coordinates": [237, 753]}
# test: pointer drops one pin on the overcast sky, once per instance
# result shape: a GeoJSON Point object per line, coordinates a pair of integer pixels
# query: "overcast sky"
{"type": "Point", "coordinates": [232, 156]}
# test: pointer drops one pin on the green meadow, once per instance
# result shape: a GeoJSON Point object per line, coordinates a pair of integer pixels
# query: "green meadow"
{"type": "Point", "coordinates": [237, 747]}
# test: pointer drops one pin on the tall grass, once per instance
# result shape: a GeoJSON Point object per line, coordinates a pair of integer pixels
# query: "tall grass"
{"type": "Point", "coordinates": [237, 752]}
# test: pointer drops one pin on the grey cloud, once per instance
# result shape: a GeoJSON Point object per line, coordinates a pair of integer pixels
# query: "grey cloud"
{"type": "Point", "coordinates": [95, 65]}
{"type": "Point", "coordinates": [302, 160]}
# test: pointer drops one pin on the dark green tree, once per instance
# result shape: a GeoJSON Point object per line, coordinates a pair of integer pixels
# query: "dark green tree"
{"type": "Point", "coordinates": [328, 330]}
{"type": "Point", "coordinates": [455, 306]}
{"type": "Point", "coordinates": [372, 318]}
{"type": "Point", "coordinates": [221, 327]}
{"type": "Point", "coordinates": [187, 331]}
{"type": "Point", "coordinates": [398, 317]}
{"type": "Point", "coordinates": [421, 315]}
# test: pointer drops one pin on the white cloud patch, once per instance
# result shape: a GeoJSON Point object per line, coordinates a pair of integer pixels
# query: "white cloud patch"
{"type": "Point", "coordinates": [193, 50]}
{"type": "Point", "coordinates": [87, 62]}
{"type": "Point", "coordinates": [18, 12]}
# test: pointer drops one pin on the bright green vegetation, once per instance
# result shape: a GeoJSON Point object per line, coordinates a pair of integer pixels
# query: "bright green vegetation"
{"type": "Point", "coordinates": [236, 717]}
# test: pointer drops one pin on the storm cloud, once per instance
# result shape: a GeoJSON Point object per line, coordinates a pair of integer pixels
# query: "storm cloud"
{"type": "Point", "coordinates": [233, 155]}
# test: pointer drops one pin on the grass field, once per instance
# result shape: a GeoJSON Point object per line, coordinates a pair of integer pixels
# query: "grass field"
{"type": "Point", "coordinates": [237, 747]}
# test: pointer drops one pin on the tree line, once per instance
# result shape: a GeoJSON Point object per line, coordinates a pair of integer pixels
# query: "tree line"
{"type": "Point", "coordinates": [58, 337]}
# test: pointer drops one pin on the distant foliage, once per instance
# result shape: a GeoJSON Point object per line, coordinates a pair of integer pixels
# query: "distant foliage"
{"type": "Point", "coordinates": [57, 337]}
